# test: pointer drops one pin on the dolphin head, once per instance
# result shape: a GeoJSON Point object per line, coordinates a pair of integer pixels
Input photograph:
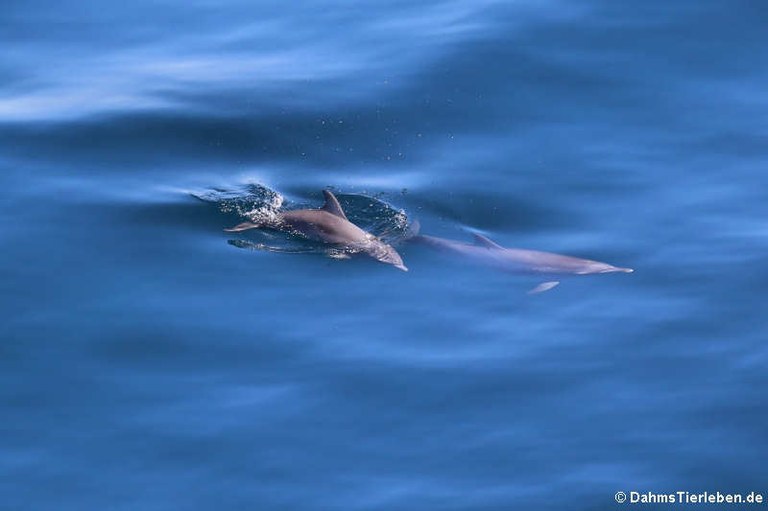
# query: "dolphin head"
{"type": "Point", "coordinates": [385, 253]}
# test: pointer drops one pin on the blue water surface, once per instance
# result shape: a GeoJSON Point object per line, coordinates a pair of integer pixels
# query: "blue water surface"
{"type": "Point", "coordinates": [150, 361]}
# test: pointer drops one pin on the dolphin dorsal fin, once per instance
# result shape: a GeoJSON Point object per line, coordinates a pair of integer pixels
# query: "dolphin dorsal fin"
{"type": "Point", "coordinates": [485, 242]}
{"type": "Point", "coordinates": [332, 205]}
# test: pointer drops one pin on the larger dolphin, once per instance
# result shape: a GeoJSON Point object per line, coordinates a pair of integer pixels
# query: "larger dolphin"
{"type": "Point", "coordinates": [329, 224]}
{"type": "Point", "coordinates": [519, 260]}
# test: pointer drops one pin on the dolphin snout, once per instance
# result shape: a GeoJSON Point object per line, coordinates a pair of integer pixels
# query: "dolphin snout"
{"type": "Point", "coordinates": [615, 269]}
{"type": "Point", "coordinates": [386, 254]}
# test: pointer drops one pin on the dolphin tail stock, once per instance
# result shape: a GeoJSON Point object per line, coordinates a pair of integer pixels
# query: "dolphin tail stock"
{"type": "Point", "coordinates": [243, 227]}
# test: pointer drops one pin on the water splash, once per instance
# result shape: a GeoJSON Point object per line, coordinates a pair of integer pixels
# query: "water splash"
{"type": "Point", "coordinates": [252, 201]}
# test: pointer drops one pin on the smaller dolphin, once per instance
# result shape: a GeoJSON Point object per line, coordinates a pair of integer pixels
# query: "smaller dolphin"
{"type": "Point", "coordinates": [517, 260]}
{"type": "Point", "coordinates": [329, 224]}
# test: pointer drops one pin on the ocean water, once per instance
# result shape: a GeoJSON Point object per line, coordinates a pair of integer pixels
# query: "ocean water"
{"type": "Point", "coordinates": [151, 361]}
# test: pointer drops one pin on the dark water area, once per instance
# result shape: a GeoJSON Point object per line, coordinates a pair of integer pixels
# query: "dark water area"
{"type": "Point", "coordinates": [151, 361]}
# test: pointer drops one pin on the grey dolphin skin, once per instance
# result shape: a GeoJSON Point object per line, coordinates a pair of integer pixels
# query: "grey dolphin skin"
{"type": "Point", "coordinates": [518, 260]}
{"type": "Point", "coordinates": [329, 224]}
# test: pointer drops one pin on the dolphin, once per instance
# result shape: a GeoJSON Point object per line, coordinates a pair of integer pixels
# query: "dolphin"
{"type": "Point", "coordinates": [330, 225]}
{"type": "Point", "coordinates": [517, 260]}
